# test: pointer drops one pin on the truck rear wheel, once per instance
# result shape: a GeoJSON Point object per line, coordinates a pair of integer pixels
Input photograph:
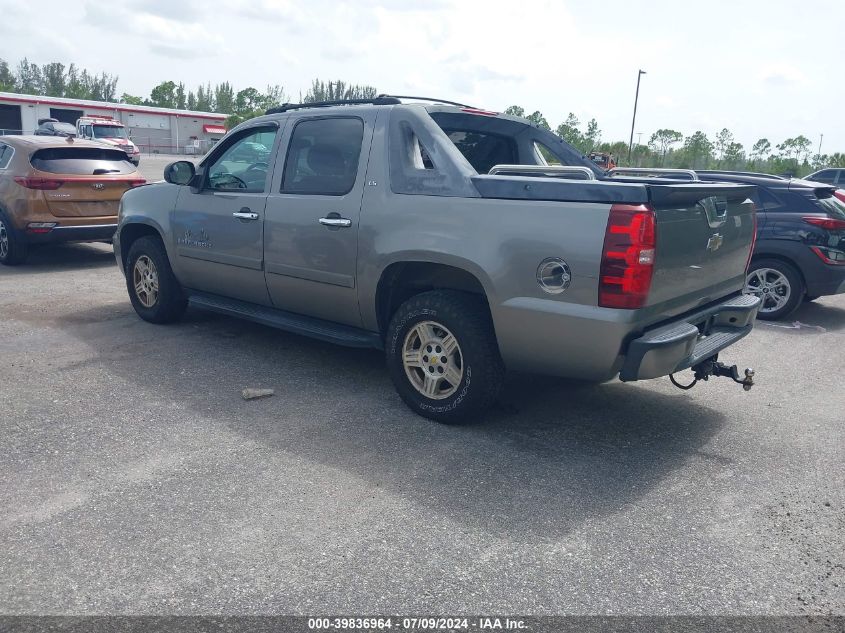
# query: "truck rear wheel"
{"type": "Point", "coordinates": [443, 357]}
{"type": "Point", "coordinates": [153, 289]}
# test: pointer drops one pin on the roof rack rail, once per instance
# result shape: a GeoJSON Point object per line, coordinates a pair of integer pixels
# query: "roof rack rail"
{"type": "Point", "coordinates": [431, 99]}
{"type": "Point", "coordinates": [653, 172]}
{"type": "Point", "coordinates": [379, 100]}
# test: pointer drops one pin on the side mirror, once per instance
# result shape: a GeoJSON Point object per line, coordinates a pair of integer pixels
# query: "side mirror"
{"type": "Point", "coordinates": [181, 172]}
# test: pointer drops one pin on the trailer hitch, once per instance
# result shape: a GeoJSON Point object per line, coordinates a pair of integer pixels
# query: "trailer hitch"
{"type": "Point", "coordinates": [712, 367]}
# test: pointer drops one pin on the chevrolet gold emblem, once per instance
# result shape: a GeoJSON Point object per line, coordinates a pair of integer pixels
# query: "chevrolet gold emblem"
{"type": "Point", "coordinates": [714, 242]}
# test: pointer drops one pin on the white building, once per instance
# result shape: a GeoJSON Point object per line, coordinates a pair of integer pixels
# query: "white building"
{"type": "Point", "coordinates": [153, 130]}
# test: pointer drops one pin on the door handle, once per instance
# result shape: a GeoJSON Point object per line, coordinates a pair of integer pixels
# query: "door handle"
{"type": "Point", "coordinates": [335, 221]}
{"type": "Point", "coordinates": [245, 214]}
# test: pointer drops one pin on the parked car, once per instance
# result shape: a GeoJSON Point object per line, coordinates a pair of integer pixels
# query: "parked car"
{"type": "Point", "coordinates": [58, 190]}
{"type": "Point", "coordinates": [800, 249]}
{"type": "Point", "coordinates": [829, 176]}
{"type": "Point", "coordinates": [250, 153]}
{"type": "Point", "coordinates": [108, 131]}
{"type": "Point", "coordinates": [385, 224]}
{"type": "Point", "coordinates": [54, 127]}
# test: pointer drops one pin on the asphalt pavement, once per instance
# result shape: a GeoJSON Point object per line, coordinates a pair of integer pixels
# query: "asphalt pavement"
{"type": "Point", "coordinates": [135, 478]}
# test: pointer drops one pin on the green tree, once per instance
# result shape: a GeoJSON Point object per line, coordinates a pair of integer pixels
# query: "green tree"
{"type": "Point", "coordinates": [204, 99]}
{"type": "Point", "coordinates": [337, 91]}
{"type": "Point", "coordinates": [180, 96]}
{"type": "Point", "coordinates": [734, 156]}
{"type": "Point", "coordinates": [591, 137]}
{"type": "Point", "coordinates": [569, 132]}
{"type": "Point", "coordinates": [30, 81]}
{"type": "Point", "coordinates": [163, 95]}
{"type": "Point", "coordinates": [131, 99]}
{"type": "Point", "coordinates": [8, 81]}
{"type": "Point", "coordinates": [73, 84]}
{"type": "Point", "coordinates": [248, 100]}
{"type": "Point", "coordinates": [191, 103]}
{"type": "Point", "coordinates": [515, 110]}
{"type": "Point", "coordinates": [723, 140]}
{"type": "Point", "coordinates": [54, 79]}
{"type": "Point", "coordinates": [224, 98]}
{"type": "Point", "coordinates": [662, 140]}
{"type": "Point", "coordinates": [698, 150]}
{"type": "Point", "coordinates": [760, 150]}
{"type": "Point", "coordinates": [539, 120]}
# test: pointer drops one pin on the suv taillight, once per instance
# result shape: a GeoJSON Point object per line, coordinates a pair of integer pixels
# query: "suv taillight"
{"type": "Point", "coordinates": [830, 224]}
{"type": "Point", "coordinates": [627, 260]}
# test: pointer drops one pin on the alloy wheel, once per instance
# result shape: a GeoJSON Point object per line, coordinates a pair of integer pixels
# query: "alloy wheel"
{"type": "Point", "coordinates": [432, 360]}
{"type": "Point", "coordinates": [145, 281]}
{"type": "Point", "coordinates": [771, 286]}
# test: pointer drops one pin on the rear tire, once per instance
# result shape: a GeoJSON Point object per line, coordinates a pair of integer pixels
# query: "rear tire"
{"type": "Point", "coordinates": [153, 289]}
{"type": "Point", "coordinates": [13, 248]}
{"type": "Point", "coordinates": [778, 284]}
{"type": "Point", "coordinates": [443, 357]}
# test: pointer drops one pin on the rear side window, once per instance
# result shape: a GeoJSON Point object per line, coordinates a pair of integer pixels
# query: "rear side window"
{"type": "Point", "coordinates": [323, 157]}
{"type": "Point", "coordinates": [484, 150]}
{"type": "Point", "coordinates": [82, 161]}
{"type": "Point", "coordinates": [826, 175]}
{"type": "Point", "coordinates": [767, 201]}
{"type": "Point", "coordinates": [5, 155]}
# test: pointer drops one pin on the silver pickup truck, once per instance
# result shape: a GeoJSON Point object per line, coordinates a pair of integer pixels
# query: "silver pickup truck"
{"type": "Point", "coordinates": [462, 242]}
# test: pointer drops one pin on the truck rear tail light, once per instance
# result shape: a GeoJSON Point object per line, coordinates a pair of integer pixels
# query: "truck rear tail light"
{"type": "Point", "coordinates": [47, 184]}
{"type": "Point", "coordinates": [627, 261]}
{"type": "Point", "coordinates": [829, 255]}
{"type": "Point", "coordinates": [830, 224]}
{"type": "Point", "coordinates": [40, 227]}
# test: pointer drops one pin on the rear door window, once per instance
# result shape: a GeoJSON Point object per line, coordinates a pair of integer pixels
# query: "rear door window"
{"type": "Point", "coordinates": [83, 161]}
{"type": "Point", "coordinates": [323, 156]}
{"type": "Point", "coordinates": [5, 155]}
{"type": "Point", "coordinates": [483, 150]}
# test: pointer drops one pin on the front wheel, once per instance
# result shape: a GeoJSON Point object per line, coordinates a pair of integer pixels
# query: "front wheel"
{"type": "Point", "coordinates": [443, 357]}
{"type": "Point", "coordinates": [153, 289]}
{"type": "Point", "coordinates": [778, 284]}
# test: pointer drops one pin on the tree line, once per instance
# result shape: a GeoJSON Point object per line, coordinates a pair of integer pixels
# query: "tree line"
{"type": "Point", "coordinates": [664, 148]}
{"type": "Point", "coordinates": [57, 80]}
{"type": "Point", "coordinates": [670, 148]}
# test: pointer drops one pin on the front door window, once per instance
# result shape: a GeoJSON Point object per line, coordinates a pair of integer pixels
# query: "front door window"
{"type": "Point", "coordinates": [244, 164]}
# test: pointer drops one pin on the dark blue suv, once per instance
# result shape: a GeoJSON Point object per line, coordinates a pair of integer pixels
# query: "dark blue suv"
{"type": "Point", "coordinates": [800, 250]}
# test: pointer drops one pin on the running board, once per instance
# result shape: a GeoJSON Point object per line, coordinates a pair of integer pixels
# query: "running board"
{"type": "Point", "coordinates": [288, 321]}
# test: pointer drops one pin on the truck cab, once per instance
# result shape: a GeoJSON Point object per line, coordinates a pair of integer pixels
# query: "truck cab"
{"type": "Point", "coordinates": [109, 131]}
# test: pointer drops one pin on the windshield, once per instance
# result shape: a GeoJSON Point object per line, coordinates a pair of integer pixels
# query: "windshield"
{"type": "Point", "coordinates": [109, 131]}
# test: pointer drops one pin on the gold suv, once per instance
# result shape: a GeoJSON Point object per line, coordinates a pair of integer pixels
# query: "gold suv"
{"type": "Point", "coordinates": [55, 189]}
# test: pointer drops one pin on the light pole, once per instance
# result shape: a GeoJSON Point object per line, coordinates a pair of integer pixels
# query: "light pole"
{"type": "Point", "coordinates": [821, 138]}
{"type": "Point", "coordinates": [634, 120]}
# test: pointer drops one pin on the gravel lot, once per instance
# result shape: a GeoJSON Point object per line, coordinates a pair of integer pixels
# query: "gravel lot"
{"type": "Point", "coordinates": [135, 479]}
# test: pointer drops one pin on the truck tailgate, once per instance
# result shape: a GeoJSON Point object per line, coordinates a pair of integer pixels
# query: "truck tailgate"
{"type": "Point", "coordinates": [704, 233]}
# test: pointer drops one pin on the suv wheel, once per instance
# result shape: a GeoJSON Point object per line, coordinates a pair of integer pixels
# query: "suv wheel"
{"type": "Point", "coordinates": [13, 250]}
{"type": "Point", "coordinates": [153, 289]}
{"type": "Point", "coordinates": [443, 357]}
{"type": "Point", "coordinates": [778, 284]}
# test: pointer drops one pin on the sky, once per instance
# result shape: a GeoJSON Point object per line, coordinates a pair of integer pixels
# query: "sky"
{"type": "Point", "coordinates": [768, 69]}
